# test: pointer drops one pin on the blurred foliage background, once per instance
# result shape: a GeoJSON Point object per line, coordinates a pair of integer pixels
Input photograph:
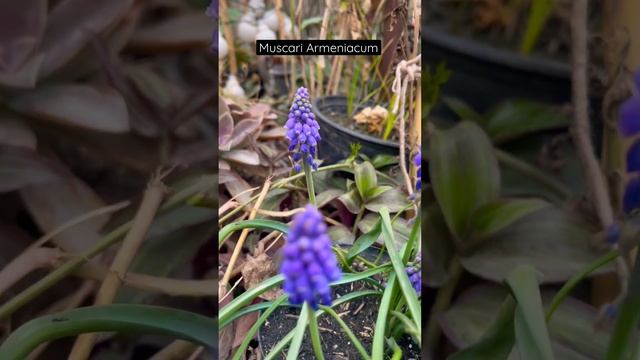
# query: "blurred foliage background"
{"type": "Point", "coordinates": [94, 97]}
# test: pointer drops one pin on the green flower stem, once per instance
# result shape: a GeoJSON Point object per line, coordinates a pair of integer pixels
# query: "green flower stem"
{"type": "Point", "coordinates": [279, 184]}
{"type": "Point", "coordinates": [310, 188]}
{"type": "Point", "coordinates": [296, 342]}
{"type": "Point", "coordinates": [571, 284]}
{"type": "Point", "coordinates": [347, 330]}
{"type": "Point", "coordinates": [315, 334]}
{"type": "Point", "coordinates": [276, 349]}
{"type": "Point", "coordinates": [443, 299]}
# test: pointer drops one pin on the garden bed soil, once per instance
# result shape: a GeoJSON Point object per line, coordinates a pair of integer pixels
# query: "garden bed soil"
{"type": "Point", "coordinates": [360, 315]}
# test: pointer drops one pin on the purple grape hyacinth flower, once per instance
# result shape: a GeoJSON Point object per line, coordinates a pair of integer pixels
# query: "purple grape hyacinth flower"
{"type": "Point", "coordinates": [415, 276]}
{"type": "Point", "coordinates": [631, 199]}
{"type": "Point", "coordinates": [303, 130]}
{"type": "Point", "coordinates": [212, 12]}
{"type": "Point", "coordinates": [630, 112]}
{"type": "Point", "coordinates": [415, 273]}
{"type": "Point", "coordinates": [417, 161]}
{"type": "Point", "coordinates": [309, 263]}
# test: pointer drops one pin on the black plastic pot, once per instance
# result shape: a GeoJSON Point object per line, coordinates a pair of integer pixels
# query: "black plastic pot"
{"type": "Point", "coordinates": [484, 76]}
{"type": "Point", "coordinates": [278, 77]}
{"type": "Point", "coordinates": [336, 139]}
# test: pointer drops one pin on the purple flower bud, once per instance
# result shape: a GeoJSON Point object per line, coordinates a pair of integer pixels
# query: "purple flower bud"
{"type": "Point", "coordinates": [308, 273]}
{"type": "Point", "coordinates": [305, 135]}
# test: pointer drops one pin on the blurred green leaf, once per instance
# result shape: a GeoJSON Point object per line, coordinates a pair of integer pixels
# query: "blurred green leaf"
{"type": "Point", "coordinates": [179, 218]}
{"type": "Point", "coordinates": [551, 240]}
{"type": "Point", "coordinates": [532, 336]}
{"type": "Point", "coordinates": [340, 235]}
{"type": "Point", "coordinates": [464, 173]}
{"type": "Point", "coordinates": [624, 339]}
{"type": "Point", "coordinates": [366, 179]}
{"type": "Point", "coordinates": [327, 196]}
{"type": "Point", "coordinates": [365, 241]}
{"type": "Point", "coordinates": [159, 255]}
{"type": "Point", "coordinates": [310, 21]}
{"type": "Point", "coordinates": [351, 200]}
{"type": "Point", "coordinates": [464, 111]}
{"type": "Point", "coordinates": [377, 191]}
{"type": "Point", "coordinates": [251, 224]}
{"type": "Point", "coordinates": [516, 118]}
{"type": "Point", "coordinates": [432, 82]}
{"type": "Point", "coordinates": [497, 342]}
{"type": "Point", "coordinates": [84, 106]}
{"type": "Point", "coordinates": [407, 289]}
{"type": "Point", "coordinates": [495, 216]}
{"type": "Point", "coordinates": [393, 199]}
{"type": "Point", "coordinates": [539, 13]}
{"type": "Point", "coordinates": [110, 318]}
{"type": "Point", "coordinates": [573, 335]}
{"type": "Point", "coordinates": [437, 247]}
{"type": "Point", "coordinates": [380, 161]}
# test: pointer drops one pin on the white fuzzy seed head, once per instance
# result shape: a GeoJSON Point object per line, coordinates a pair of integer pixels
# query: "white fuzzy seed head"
{"type": "Point", "coordinates": [223, 48]}
{"type": "Point", "coordinates": [233, 88]}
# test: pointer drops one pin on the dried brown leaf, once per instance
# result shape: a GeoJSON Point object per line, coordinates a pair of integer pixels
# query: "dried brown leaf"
{"type": "Point", "coordinates": [256, 270]}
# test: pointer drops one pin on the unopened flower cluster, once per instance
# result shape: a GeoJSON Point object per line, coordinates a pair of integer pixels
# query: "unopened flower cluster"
{"type": "Point", "coordinates": [629, 127]}
{"type": "Point", "coordinates": [309, 262]}
{"type": "Point", "coordinates": [302, 130]}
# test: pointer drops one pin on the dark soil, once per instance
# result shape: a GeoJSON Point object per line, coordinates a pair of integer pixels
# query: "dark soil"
{"type": "Point", "coordinates": [360, 316]}
{"type": "Point", "coordinates": [351, 124]}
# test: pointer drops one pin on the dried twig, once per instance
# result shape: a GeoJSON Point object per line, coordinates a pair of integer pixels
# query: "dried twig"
{"type": "Point", "coordinates": [178, 349]}
{"type": "Point", "coordinates": [243, 236]}
{"type": "Point", "coordinates": [149, 283]}
{"type": "Point", "coordinates": [130, 245]}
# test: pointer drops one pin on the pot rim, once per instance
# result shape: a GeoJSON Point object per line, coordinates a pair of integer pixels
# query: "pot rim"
{"type": "Point", "coordinates": [507, 58]}
{"type": "Point", "coordinates": [325, 118]}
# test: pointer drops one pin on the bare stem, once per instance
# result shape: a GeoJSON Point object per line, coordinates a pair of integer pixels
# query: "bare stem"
{"type": "Point", "coordinates": [581, 132]}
